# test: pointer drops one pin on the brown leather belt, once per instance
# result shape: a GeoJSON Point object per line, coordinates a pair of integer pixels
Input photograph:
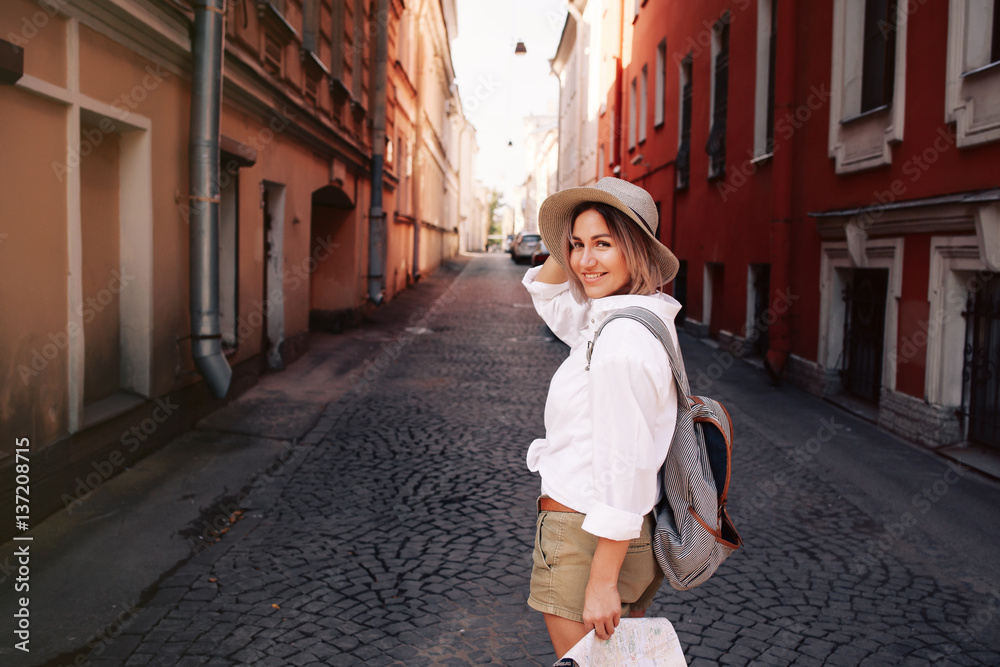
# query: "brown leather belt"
{"type": "Point", "coordinates": [549, 505]}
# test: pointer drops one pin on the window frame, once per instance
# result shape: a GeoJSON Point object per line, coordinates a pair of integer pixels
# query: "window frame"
{"type": "Point", "coordinates": [859, 141]}
{"type": "Point", "coordinates": [686, 89]}
{"type": "Point", "coordinates": [660, 85]}
{"type": "Point", "coordinates": [764, 91]}
{"type": "Point", "coordinates": [633, 118]}
{"type": "Point", "coordinates": [643, 103]}
{"type": "Point", "coordinates": [970, 88]}
{"type": "Point", "coordinates": [715, 146]}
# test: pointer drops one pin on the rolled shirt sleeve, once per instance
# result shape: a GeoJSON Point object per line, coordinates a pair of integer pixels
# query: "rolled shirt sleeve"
{"type": "Point", "coordinates": [557, 307]}
{"type": "Point", "coordinates": [629, 394]}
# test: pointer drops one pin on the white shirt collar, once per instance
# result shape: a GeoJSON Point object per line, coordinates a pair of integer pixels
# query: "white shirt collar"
{"type": "Point", "coordinates": [664, 305]}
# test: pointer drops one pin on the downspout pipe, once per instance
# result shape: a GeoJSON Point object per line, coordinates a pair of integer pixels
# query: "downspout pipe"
{"type": "Point", "coordinates": [779, 333]}
{"type": "Point", "coordinates": [203, 155]}
{"type": "Point", "coordinates": [376, 213]}
{"type": "Point", "coordinates": [417, 145]}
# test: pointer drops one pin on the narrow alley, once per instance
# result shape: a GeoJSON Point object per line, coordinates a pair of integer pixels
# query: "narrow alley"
{"type": "Point", "coordinates": [401, 532]}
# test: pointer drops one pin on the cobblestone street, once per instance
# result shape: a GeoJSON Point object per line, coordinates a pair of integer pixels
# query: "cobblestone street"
{"type": "Point", "coordinates": [398, 532]}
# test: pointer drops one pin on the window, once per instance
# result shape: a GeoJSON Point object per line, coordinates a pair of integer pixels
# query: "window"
{"type": "Point", "coordinates": [771, 61]}
{"type": "Point", "coordinates": [278, 34]}
{"type": "Point", "coordinates": [337, 63]}
{"type": "Point", "coordinates": [867, 83]}
{"type": "Point", "coordinates": [879, 58]}
{"type": "Point", "coordinates": [405, 172]}
{"type": "Point", "coordinates": [273, 53]}
{"type": "Point", "coordinates": [972, 92]}
{"type": "Point", "coordinates": [643, 103]}
{"type": "Point", "coordinates": [995, 42]}
{"type": "Point", "coordinates": [358, 43]}
{"type": "Point", "coordinates": [660, 84]}
{"type": "Point", "coordinates": [767, 24]}
{"type": "Point", "coordinates": [716, 145]}
{"type": "Point", "coordinates": [684, 127]}
{"type": "Point", "coordinates": [310, 25]}
{"type": "Point", "coordinates": [982, 43]}
{"type": "Point", "coordinates": [311, 90]}
{"type": "Point", "coordinates": [406, 43]}
{"type": "Point", "coordinates": [616, 139]}
{"type": "Point", "coordinates": [633, 104]}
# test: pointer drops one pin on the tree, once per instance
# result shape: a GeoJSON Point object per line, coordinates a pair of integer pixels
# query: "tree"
{"type": "Point", "coordinates": [496, 218]}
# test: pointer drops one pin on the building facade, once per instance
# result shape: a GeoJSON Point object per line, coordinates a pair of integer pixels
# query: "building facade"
{"type": "Point", "coordinates": [825, 172]}
{"type": "Point", "coordinates": [98, 254]}
{"type": "Point", "coordinates": [577, 65]}
{"type": "Point", "coordinates": [542, 154]}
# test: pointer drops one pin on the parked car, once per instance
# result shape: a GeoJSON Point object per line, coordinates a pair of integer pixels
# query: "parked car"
{"type": "Point", "coordinates": [508, 243]}
{"type": "Point", "coordinates": [523, 245]}
{"type": "Point", "coordinates": [540, 254]}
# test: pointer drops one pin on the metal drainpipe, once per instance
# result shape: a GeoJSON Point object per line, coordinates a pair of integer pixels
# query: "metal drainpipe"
{"type": "Point", "coordinates": [376, 214]}
{"type": "Point", "coordinates": [779, 333]}
{"type": "Point", "coordinates": [206, 95]}
{"type": "Point", "coordinates": [417, 180]}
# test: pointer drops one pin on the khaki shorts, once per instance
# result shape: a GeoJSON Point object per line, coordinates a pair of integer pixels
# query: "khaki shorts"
{"type": "Point", "coordinates": [562, 556]}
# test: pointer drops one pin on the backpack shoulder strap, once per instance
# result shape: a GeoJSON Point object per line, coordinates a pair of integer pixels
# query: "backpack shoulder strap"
{"type": "Point", "coordinates": [655, 325]}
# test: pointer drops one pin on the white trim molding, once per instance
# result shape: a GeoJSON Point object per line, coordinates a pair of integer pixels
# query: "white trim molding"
{"type": "Point", "coordinates": [835, 265]}
{"type": "Point", "coordinates": [957, 268]}
{"type": "Point", "coordinates": [859, 141]}
{"type": "Point", "coordinates": [135, 190]}
{"type": "Point", "coordinates": [762, 84]}
{"type": "Point", "coordinates": [972, 90]}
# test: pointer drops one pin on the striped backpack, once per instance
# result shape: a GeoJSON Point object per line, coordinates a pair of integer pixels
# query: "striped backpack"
{"type": "Point", "coordinates": [694, 533]}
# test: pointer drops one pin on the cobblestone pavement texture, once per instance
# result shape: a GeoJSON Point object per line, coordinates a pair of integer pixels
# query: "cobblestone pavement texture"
{"type": "Point", "coordinates": [399, 532]}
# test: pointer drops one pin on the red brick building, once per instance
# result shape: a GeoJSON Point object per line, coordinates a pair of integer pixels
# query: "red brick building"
{"type": "Point", "coordinates": [827, 173]}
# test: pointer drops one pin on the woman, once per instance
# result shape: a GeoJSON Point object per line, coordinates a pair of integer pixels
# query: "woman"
{"type": "Point", "coordinates": [607, 428]}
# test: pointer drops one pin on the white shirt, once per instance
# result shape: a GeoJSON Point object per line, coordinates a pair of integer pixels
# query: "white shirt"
{"type": "Point", "coordinates": [607, 430]}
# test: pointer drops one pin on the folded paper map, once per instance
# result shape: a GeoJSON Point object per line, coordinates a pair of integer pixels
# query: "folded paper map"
{"type": "Point", "coordinates": [645, 642]}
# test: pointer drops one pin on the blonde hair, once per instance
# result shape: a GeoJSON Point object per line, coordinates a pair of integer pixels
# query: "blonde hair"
{"type": "Point", "coordinates": [645, 275]}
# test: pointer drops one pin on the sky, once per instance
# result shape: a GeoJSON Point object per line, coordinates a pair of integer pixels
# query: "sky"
{"type": "Point", "coordinates": [498, 88]}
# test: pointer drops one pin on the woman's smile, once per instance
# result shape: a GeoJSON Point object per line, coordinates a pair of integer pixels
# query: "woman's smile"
{"type": "Point", "coordinates": [596, 258]}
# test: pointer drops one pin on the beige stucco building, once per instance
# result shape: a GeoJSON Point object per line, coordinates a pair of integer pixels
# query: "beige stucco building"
{"type": "Point", "coordinates": [97, 203]}
{"type": "Point", "coordinates": [542, 151]}
{"type": "Point", "coordinates": [577, 64]}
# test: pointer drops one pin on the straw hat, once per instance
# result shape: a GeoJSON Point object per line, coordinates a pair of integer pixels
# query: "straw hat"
{"type": "Point", "coordinates": [633, 201]}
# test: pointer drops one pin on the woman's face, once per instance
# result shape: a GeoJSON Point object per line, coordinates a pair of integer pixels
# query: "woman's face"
{"type": "Point", "coordinates": [596, 258]}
